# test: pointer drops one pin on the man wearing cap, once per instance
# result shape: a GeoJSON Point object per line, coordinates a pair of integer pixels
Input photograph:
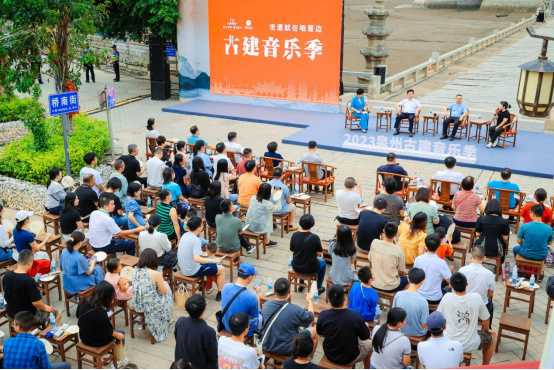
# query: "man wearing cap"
{"type": "Point", "coordinates": [102, 228]}
{"type": "Point", "coordinates": [115, 62]}
{"type": "Point", "coordinates": [439, 352]}
{"type": "Point", "coordinates": [245, 301]}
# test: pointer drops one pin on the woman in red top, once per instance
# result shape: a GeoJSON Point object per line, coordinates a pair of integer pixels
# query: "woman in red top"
{"type": "Point", "coordinates": [540, 197]}
{"type": "Point", "coordinates": [466, 203]}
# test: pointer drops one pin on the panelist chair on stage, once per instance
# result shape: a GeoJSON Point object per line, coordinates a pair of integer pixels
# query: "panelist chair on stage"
{"type": "Point", "coordinates": [509, 133]}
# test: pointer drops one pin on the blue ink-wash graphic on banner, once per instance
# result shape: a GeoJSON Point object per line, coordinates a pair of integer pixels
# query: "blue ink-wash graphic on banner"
{"type": "Point", "coordinates": [63, 103]}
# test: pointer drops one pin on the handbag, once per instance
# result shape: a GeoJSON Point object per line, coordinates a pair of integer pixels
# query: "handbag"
{"type": "Point", "coordinates": [220, 315]}
{"type": "Point", "coordinates": [181, 297]}
{"type": "Point", "coordinates": [258, 337]}
{"type": "Point", "coordinates": [120, 352]}
{"type": "Point", "coordinates": [195, 191]}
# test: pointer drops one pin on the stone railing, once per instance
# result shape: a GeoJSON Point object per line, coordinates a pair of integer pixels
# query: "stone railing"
{"type": "Point", "coordinates": [409, 77]}
{"type": "Point", "coordinates": [133, 56]}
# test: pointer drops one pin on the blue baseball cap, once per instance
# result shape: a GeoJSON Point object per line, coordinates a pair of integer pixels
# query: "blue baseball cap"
{"type": "Point", "coordinates": [435, 321]}
{"type": "Point", "coordinates": [247, 269]}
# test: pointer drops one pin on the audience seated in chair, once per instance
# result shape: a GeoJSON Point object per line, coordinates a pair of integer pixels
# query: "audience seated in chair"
{"type": "Point", "coordinates": [314, 157]}
{"type": "Point", "coordinates": [199, 152]}
{"type": "Point", "coordinates": [248, 155]}
{"type": "Point", "coordinates": [409, 109]}
{"type": "Point", "coordinates": [458, 112]}
{"type": "Point", "coordinates": [123, 289]}
{"type": "Point", "coordinates": [232, 352]}
{"type": "Point", "coordinates": [195, 136]}
{"type": "Point", "coordinates": [412, 237]}
{"type": "Point", "coordinates": [272, 153]}
{"type": "Point", "coordinates": [153, 239]}
{"type": "Point", "coordinates": [155, 166]}
{"type": "Point", "coordinates": [493, 231]}
{"type": "Point", "coordinates": [388, 262]}
{"type": "Point", "coordinates": [221, 151]}
{"type": "Point", "coordinates": [387, 355]}
{"type": "Point", "coordinates": [70, 219]}
{"type": "Point", "coordinates": [348, 199]}
{"type": "Point", "coordinates": [422, 205]}
{"type": "Point", "coordinates": [303, 347]}
{"type": "Point", "coordinates": [439, 352]}
{"type": "Point", "coordinates": [78, 273]}
{"type": "Point", "coordinates": [118, 214]}
{"type": "Point", "coordinates": [286, 201]}
{"type": "Point", "coordinates": [91, 160]}
{"type": "Point", "coordinates": [466, 203]}
{"type": "Point", "coordinates": [393, 167]}
{"type": "Point", "coordinates": [55, 194]}
{"type": "Point", "coordinates": [362, 297]}
{"type": "Point", "coordinates": [372, 224]}
{"type": "Point", "coordinates": [133, 169]}
{"type": "Point", "coordinates": [222, 175]}
{"type": "Point", "coordinates": [343, 253]}
{"type": "Point", "coordinates": [259, 217]}
{"type": "Point", "coordinates": [416, 307]}
{"type": "Point", "coordinates": [449, 174]}
{"type": "Point", "coordinates": [248, 184]}
{"type": "Point", "coordinates": [395, 204]}
{"type": "Point", "coordinates": [88, 198]}
{"type": "Point", "coordinates": [229, 230]}
{"type": "Point", "coordinates": [506, 184]}
{"type": "Point", "coordinates": [435, 269]}
{"type": "Point", "coordinates": [540, 197]}
{"type": "Point", "coordinates": [25, 240]}
{"type": "Point", "coordinates": [119, 168]}
{"type": "Point", "coordinates": [232, 145]}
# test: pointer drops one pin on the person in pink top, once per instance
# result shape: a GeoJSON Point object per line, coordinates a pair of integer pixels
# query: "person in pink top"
{"type": "Point", "coordinates": [466, 203]}
{"type": "Point", "coordinates": [123, 290]}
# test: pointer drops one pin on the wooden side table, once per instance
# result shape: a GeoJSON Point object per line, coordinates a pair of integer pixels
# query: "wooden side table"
{"type": "Point", "coordinates": [49, 285]}
{"type": "Point", "coordinates": [479, 123]}
{"type": "Point", "coordinates": [434, 120]}
{"type": "Point", "coordinates": [133, 238]}
{"type": "Point", "coordinates": [128, 260]}
{"type": "Point", "coordinates": [387, 115]}
{"type": "Point", "coordinates": [303, 203]}
{"type": "Point", "coordinates": [510, 289]}
{"type": "Point", "coordinates": [52, 245]}
{"type": "Point", "coordinates": [147, 210]}
{"type": "Point", "coordinates": [264, 299]}
{"type": "Point", "coordinates": [319, 307]}
{"type": "Point", "coordinates": [59, 344]}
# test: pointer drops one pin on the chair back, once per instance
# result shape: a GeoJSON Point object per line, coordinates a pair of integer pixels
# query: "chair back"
{"type": "Point", "coordinates": [151, 144]}
{"type": "Point", "coordinates": [513, 122]}
{"type": "Point", "coordinates": [504, 199]}
{"type": "Point", "coordinates": [348, 109]}
{"type": "Point", "coordinates": [233, 157]}
{"type": "Point", "coordinates": [310, 171]}
{"type": "Point", "coordinates": [445, 190]}
{"type": "Point", "coordinates": [381, 176]}
{"type": "Point", "coordinates": [190, 148]}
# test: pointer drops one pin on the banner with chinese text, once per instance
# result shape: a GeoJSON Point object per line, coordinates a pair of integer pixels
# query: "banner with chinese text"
{"type": "Point", "coordinates": [285, 50]}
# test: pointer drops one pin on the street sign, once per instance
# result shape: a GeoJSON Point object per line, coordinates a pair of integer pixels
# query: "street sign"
{"type": "Point", "coordinates": [102, 97]}
{"type": "Point", "coordinates": [110, 94]}
{"type": "Point", "coordinates": [170, 50]}
{"type": "Point", "coordinates": [63, 103]}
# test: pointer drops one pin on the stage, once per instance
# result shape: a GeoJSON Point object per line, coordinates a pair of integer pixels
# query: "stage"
{"type": "Point", "coordinates": [527, 158]}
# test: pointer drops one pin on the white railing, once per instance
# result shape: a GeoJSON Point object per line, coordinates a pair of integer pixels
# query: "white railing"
{"type": "Point", "coordinates": [438, 62]}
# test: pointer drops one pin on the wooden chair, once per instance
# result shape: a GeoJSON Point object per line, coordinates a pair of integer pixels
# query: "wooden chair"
{"type": "Point", "coordinates": [276, 360]}
{"type": "Point", "coordinates": [231, 261]}
{"type": "Point", "coordinates": [168, 276]}
{"type": "Point", "coordinates": [75, 298]}
{"type": "Point", "coordinates": [516, 324]}
{"type": "Point", "coordinates": [385, 296]}
{"type": "Point", "coordinates": [52, 221]}
{"type": "Point", "coordinates": [311, 177]}
{"type": "Point", "coordinates": [325, 252]}
{"type": "Point", "coordinates": [4, 269]}
{"type": "Point", "coordinates": [194, 283]}
{"type": "Point", "coordinates": [212, 233]}
{"type": "Point", "coordinates": [463, 128]}
{"type": "Point", "coordinates": [59, 345]}
{"type": "Point", "coordinates": [47, 286]}
{"type": "Point", "coordinates": [529, 292]}
{"type": "Point", "coordinates": [100, 355]}
{"type": "Point", "coordinates": [151, 144]}
{"type": "Point", "coordinates": [497, 265]}
{"type": "Point", "coordinates": [461, 248]}
{"type": "Point", "coordinates": [256, 239]}
{"type": "Point", "coordinates": [233, 157]}
{"type": "Point", "coordinates": [443, 188]}
{"type": "Point", "coordinates": [351, 120]}
{"type": "Point", "coordinates": [353, 228]}
{"type": "Point", "coordinates": [345, 287]}
{"type": "Point", "coordinates": [381, 176]}
{"type": "Point", "coordinates": [249, 341]}
{"type": "Point", "coordinates": [414, 341]}
{"type": "Point", "coordinates": [198, 204]}
{"type": "Point", "coordinates": [548, 308]}
{"type": "Point", "coordinates": [406, 122]}
{"type": "Point", "coordinates": [266, 167]}
{"type": "Point", "coordinates": [138, 318]}
{"type": "Point", "coordinates": [326, 364]}
{"type": "Point", "coordinates": [282, 221]}
{"type": "Point", "coordinates": [504, 199]}
{"type": "Point", "coordinates": [294, 279]}
{"type": "Point", "coordinates": [509, 133]}
{"type": "Point", "coordinates": [433, 307]}
{"type": "Point", "coordinates": [529, 266]}
{"type": "Point", "coordinates": [151, 192]}
{"type": "Point", "coordinates": [467, 358]}
{"type": "Point", "coordinates": [361, 258]}
{"type": "Point", "coordinates": [117, 307]}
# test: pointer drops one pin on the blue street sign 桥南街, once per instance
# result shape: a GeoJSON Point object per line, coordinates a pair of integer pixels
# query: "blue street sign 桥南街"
{"type": "Point", "coordinates": [63, 103]}
{"type": "Point", "coordinates": [170, 50]}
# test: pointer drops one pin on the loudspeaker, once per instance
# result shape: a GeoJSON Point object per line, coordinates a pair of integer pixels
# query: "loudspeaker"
{"type": "Point", "coordinates": [540, 16]}
{"type": "Point", "coordinates": [160, 90]}
{"type": "Point", "coordinates": [159, 68]}
{"type": "Point", "coordinates": [380, 70]}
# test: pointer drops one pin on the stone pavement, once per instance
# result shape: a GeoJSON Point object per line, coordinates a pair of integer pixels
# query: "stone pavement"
{"type": "Point", "coordinates": [129, 125]}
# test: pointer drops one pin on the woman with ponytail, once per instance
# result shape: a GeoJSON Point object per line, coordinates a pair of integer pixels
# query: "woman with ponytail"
{"type": "Point", "coordinates": [153, 239]}
{"type": "Point", "coordinates": [391, 349]}
{"type": "Point", "coordinates": [55, 195]}
{"type": "Point", "coordinates": [302, 351]}
{"type": "Point", "coordinates": [503, 123]}
{"type": "Point", "coordinates": [78, 273]}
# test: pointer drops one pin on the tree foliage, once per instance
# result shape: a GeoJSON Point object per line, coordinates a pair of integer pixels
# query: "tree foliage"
{"type": "Point", "coordinates": [140, 18]}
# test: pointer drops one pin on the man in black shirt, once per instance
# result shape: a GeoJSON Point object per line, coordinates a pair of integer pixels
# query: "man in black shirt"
{"type": "Point", "coordinates": [346, 334]}
{"type": "Point", "coordinates": [195, 341]}
{"type": "Point", "coordinates": [371, 225]}
{"type": "Point", "coordinates": [88, 199]}
{"type": "Point", "coordinates": [21, 292]}
{"type": "Point", "coordinates": [118, 214]}
{"type": "Point", "coordinates": [133, 171]}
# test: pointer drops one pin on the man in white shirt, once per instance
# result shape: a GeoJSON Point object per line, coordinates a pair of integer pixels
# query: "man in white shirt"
{"type": "Point", "coordinates": [407, 109]}
{"type": "Point", "coordinates": [155, 167]}
{"type": "Point", "coordinates": [102, 228]}
{"type": "Point", "coordinates": [449, 174]}
{"type": "Point", "coordinates": [439, 352]}
{"type": "Point", "coordinates": [91, 160]}
{"type": "Point", "coordinates": [233, 146]}
{"type": "Point", "coordinates": [462, 312]}
{"type": "Point", "coordinates": [232, 353]}
{"type": "Point", "coordinates": [435, 269]}
{"type": "Point", "coordinates": [348, 200]}
{"type": "Point", "coordinates": [221, 151]}
{"type": "Point", "coordinates": [479, 279]}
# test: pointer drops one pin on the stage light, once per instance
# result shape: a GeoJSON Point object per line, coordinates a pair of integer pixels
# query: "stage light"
{"type": "Point", "coordinates": [536, 82]}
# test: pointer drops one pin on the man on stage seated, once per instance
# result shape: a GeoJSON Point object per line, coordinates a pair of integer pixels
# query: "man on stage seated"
{"type": "Point", "coordinates": [407, 109]}
{"type": "Point", "coordinates": [458, 112]}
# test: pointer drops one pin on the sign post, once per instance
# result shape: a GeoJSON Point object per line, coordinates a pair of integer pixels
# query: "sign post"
{"type": "Point", "coordinates": [62, 104]}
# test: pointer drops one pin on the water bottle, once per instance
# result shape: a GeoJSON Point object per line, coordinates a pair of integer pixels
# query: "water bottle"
{"type": "Point", "coordinates": [315, 293]}
{"type": "Point", "coordinates": [382, 109]}
{"type": "Point", "coordinates": [514, 274]}
{"type": "Point", "coordinates": [290, 262]}
{"type": "Point", "coordinates": [270, 284]}
{"type": "Point", "coordinates": [477, 188]}
{"type": "Point", "coordinates": [421, 179]}
{"type": "Point", "coordinates": [52, 319]}
{"type": "Point", "coordinates": [507, 269]}
{"type": "Point", "coordinates": [479, 116]}
{"type": "Point", "coordinates": [296, 189]}
{"type": "Point", "coordinates": [532, 281]}
{"type": "Point", "coordinates": [377, 316]}
{"type": "Point", "coordinates": [149, 202]}
{"type": "Point", "coordinates": [431, 111]}
{"type": "Point", "coordinates": [53, 265]}
{"type": "Point", "coordinates": [257, 156]}
{"type": "Point", "coordinates": [1, 302]}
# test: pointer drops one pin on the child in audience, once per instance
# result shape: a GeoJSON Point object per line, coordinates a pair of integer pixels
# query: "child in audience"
{"type": "Point", "coordinates": [540, 197]}
{"type": "Point", "coordinates": [211, 248]}
{"type": "Point", "coordinates": [302, 348]}
{"type": "Point", "coordinates": [123, 289]}
{"type": "Point", "coordinates": [362, 297]}
{"type": "Point", "coordinates": [444, 249]}
{"type": "Point", "coordinates": [191, 212]}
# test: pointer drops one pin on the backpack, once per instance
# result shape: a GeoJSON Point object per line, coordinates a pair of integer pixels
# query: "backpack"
{"type": "Point", "coordinates": [550, 287]}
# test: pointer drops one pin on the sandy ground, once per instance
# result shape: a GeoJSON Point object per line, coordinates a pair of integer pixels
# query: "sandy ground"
{"type": "Point", "coordinates": [416, 32]}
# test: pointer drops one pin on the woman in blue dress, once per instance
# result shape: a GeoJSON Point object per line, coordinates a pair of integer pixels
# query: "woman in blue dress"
{"type": "Point", "coordinates": [134, 212]}
{"type": "Point", "coordinates": [198, 151]}
{"type": "Point", "coordinates": [359, 109]}
{"type": "Point", "coordinates": [78, 275]}
{"type": "Point", "coordinates": [181, 174]}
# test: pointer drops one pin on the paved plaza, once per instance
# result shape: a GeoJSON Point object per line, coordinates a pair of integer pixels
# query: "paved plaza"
{"type": "Point", "coordinates": [129, 127]}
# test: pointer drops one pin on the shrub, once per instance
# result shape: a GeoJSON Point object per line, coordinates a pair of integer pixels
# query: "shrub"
{"type": "Point", "coordinates": [22, 161]}
{"type": "Point", "coordinates": [13, 108]}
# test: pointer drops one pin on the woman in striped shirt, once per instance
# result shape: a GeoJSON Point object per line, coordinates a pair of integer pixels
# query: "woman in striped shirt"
{"type": "Point", "coordinates": [169, 224]}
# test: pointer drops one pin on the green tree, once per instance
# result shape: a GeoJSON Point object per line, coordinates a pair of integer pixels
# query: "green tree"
{"type": "Point", "coordinates": [57, 28]}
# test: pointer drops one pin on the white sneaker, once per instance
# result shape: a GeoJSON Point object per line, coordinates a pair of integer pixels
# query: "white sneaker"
{"type": "Point", "coordinates": [122, 363]}
{"type": "Point", "coordinates": [495, 143]}
{"type": "Point", "coordinates": [209, 290]}
{"type": "Point", "coordinates": [489, 145]}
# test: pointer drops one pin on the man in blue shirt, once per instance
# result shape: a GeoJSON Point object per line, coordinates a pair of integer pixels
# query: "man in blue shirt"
{"type": "Point", "coordinates": [534, 237]}
{"type": "Point", "coordinates": [25, 351]}
{"type": "Point", "coordinates": [115, 62]}
{"type": "Point", "coordinates": [458, 111]}
{"type": "Point", "coordinates": [246, 301]}
{"type": "Point", "coordinates": [286, 201]}
{"type": "Point", "coordinates": [393, 167]}
{"type": "Point", "coordinates": [192, 139]}
{"type": "Point", "coordinates": [506, 174]}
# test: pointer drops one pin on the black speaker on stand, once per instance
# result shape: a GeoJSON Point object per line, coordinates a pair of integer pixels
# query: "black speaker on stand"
{"type": "Point", "coordinates": [160, 82]}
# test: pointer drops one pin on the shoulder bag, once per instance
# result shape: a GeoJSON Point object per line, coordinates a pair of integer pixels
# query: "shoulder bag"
{"type": "Point", "coordinates": [220, 315]}
{"type": "Point", "coordinates": [259, 337]}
